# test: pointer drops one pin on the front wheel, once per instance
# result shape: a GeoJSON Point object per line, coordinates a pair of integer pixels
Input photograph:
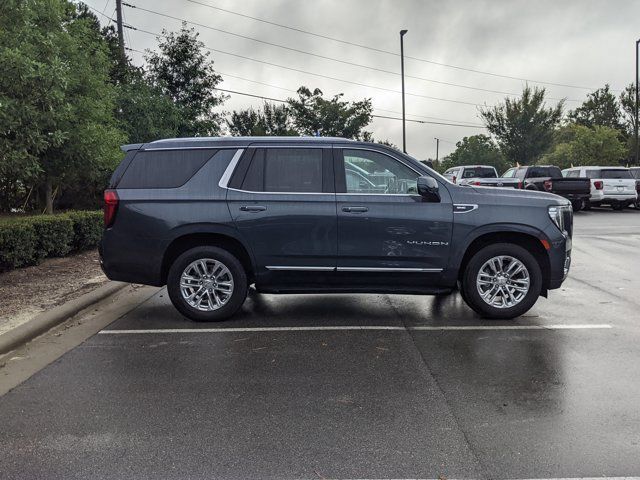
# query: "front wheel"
{"type": "Point", "coordinates": [207, 284]}
{"type": "Point", "coordinates": [502, 281]}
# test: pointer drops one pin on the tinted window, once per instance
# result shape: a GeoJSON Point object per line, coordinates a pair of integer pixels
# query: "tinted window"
{"type": "Point", "coordinates": [164, 169]}
{"type": "Point", "coordinates": [285, 170]}
{"type": "Point", "coordinates": [615, 173]}
{"type": "Point", "coordinates": [372, 172]}
{"type": "Point", "coordinates": [593, 173]}
{"type": "Point", "coordinates": [479, 172]}
{"type": "Point", "coordinates": [535, 172]}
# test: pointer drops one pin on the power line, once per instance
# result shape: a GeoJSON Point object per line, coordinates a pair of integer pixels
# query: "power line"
{"type": "Point", "coordinates": [319, 74]}
{"type": "Point", "coordinates": [325, 57]}
{"type": "Point", "coordinates": [388, 52]}
{"type": "Point", "coordinates": [374, 116]}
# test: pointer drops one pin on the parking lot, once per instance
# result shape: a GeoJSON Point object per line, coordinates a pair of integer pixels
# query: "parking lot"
{"type": "Point", "coordinates": [344, 386]}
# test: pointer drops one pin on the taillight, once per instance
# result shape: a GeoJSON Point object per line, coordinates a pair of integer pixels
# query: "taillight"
{"type": "Point", "coordinates": [453, 179]}
{"type": "Point", "coordinates": [520, 184]}
{"type": "Point", "coordinates": [476, 183]}
{"type": "Point", "coordinates": [598, 184]}
{"type": "Point", "coordinates": [110, 207]}
{"type": "Point", "coordinates": [548, 185]}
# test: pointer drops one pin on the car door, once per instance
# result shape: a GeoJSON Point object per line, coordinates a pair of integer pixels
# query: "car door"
{"type": "Point", "coordinates": [282, 201]}
{"type": "Point", "coordinates": [384, 226]}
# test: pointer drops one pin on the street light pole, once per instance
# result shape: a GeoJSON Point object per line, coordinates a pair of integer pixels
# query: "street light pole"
{"type": "Point", "coordinates": [437, 147]}
{"type": "Point", "coordinates": [636, 109]}
{"type": "Point", "coordinates": [404, 129]}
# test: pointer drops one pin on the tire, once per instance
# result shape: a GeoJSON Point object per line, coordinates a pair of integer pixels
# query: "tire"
{"type": "Point", "coordinates": [617, 206]}
{"type": "Point", "coordinates": [586, 205]}
{"type": "Point", "coordinates": [213, 258]}
{"type": "Point", "coordinates": [577, 205]}
{"type": "Point", "coordinates": [473, 297]}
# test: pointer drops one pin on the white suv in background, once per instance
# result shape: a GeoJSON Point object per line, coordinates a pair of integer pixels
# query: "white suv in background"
{"type": "Point", "coordinates": [613, 186]}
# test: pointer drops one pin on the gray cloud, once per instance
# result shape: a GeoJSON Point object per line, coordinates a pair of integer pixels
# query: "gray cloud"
{"type": "Point", "coordinates": [586, 43]}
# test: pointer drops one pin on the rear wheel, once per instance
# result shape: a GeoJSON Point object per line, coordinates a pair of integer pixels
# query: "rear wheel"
{"type": "Point", "coordinates": [617, 206]}
{"type": "Point", "coordinates": [207, 284]}
{"type": "Point", "coordinates": [577, 205]}
{"type": "Point", "coordinates": [502, 281]}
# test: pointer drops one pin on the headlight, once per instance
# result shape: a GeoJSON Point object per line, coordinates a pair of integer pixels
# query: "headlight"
{"type": "Point", "coordinates": [557, 215]}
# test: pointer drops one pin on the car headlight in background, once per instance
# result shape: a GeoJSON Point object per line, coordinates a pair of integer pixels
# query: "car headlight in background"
{"type": "Point", "coordinates": [557, 215]}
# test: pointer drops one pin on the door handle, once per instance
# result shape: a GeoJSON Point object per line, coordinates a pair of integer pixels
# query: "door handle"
{"type": "Point", "coordinates": [355, 209]}
{"type": "Point", "coordinates": [253, 208]}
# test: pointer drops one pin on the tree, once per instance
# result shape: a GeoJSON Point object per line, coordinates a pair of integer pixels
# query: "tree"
{"type": "Point", "coordinates": [476, 150]}
{"type": "Point", "coordinates": [185, 74]}
{"type": "Point", "coordinates": [628, 104]}
{"type": "Point", "coordinates": [314, 115]}
{"type": "Point", "coordinates": [56, 115]}
{"type": "Point", "coordinates": [600, 108]}
{"type": "Point", "coordinates": [587, 146]}
{"type": "Point", "coordinates": [271, 120]}
{"type": "Point", "coordinates": [523, 127]}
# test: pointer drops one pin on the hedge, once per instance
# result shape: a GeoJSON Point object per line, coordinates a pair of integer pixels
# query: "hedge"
{"type": "Point", "coordinates": [27, 240]}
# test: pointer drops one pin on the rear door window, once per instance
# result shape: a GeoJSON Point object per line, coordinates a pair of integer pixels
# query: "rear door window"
{"type": "Point", "coordinates": [164, 168]}
{"type": "Point", "coordinates": [294, 170]}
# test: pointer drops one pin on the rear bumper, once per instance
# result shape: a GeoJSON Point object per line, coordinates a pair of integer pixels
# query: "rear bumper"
{"type": "Point", "coordinates": [125, 261]}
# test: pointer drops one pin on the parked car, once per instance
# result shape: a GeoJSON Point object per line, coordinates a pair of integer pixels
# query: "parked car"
{"type": "Point", "coordinates": [208, 217]}
{"type": "Point", "coordinates": [548, 178]}
{"type": "Point", "coordinates": [479, 175]}
{"type": "Point", "coordinates": [613, 186]}
{"type": "Point", "coordinates": [635, 173]}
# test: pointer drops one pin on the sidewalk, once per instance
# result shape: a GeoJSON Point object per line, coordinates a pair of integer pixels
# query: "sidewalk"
{"type": "Point", "coordinates": [27, 292]}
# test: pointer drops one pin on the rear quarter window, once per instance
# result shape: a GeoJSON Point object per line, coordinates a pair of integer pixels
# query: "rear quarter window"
{"type": "Point", "coordinates": [164, 169]}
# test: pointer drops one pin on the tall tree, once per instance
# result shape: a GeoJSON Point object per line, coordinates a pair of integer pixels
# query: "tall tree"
{"type": "Point", "coordinates": [587, 146]}
{"type": "Point", "coordinates": [314, 115]}
{"type": "Point", "coordinates": [270, 120]}
{"type": "Point", "coordinates": [476, 150]}
{"type": "Point", "coordinates": [600, 108]}
{"type": "Point", "coordinates": [524, 126]}
{"type": "Point", "coordinates": [184, 72]}
{"type": "Point", "coordinates": [628, 104]}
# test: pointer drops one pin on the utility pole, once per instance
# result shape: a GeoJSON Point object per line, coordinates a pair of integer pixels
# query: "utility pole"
{"type": "Point", "coordinates": [404, 128]}
{"type": "Point", "coordinates": [123, 58]}
{"type": "Point", "coordinates": [437, 147]}
{"type": "Point", "coordinates": [636, 109]}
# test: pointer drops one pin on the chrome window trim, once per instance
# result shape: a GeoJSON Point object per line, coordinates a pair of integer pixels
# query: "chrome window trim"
{"type": "Point", "coordinates": [473, 206]}
{"type": "Point", "coordinates": [281, 193]}
{"type": "Point", "coordinates": [226, 176]}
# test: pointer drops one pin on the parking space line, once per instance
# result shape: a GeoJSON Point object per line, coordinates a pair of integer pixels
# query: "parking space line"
{"type": "Point", "coordinates": [356, 328]}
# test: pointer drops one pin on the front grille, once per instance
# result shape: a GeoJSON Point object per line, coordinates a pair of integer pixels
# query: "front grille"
{"type": "Point", "coordinates": [567, 214]}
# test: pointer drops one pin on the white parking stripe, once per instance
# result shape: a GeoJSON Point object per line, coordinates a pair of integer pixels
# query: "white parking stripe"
{"type": "Point", "coordinates": [356, 327]}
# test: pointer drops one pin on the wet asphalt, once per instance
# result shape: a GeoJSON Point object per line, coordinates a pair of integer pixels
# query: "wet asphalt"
{"type": "Point", "coordinates": [423, 394]}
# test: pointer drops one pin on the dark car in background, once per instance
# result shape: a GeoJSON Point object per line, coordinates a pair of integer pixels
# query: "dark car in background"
{"type": "Point", "coordinates": [209, 217]}
{"type": "Point", "coordinates": [548, 178]}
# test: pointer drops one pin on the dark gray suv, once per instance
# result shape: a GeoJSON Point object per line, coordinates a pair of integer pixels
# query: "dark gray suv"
{"type": "Point", "coordinates": [208, 217]}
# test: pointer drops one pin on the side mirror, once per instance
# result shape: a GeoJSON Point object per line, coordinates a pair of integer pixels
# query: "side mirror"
{"type": "Point", "coordinates": [428, 189]}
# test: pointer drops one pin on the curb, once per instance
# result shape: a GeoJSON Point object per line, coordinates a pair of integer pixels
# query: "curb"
{"type": "Point", "coordinates": [49, 319]}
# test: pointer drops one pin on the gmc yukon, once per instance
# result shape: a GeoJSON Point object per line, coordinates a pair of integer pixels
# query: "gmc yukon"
{"type": "Point", "coordinates": [208, 217]}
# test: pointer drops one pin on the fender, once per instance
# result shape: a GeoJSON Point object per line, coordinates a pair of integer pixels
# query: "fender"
{"type": "Point", "coordinates": [460, 247]}
{"type": "Point", "coordinates": [211, 228]}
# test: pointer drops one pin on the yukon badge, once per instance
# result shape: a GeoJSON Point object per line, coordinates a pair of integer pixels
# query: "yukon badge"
{"type": "Point", "coordinates": [430, 244]}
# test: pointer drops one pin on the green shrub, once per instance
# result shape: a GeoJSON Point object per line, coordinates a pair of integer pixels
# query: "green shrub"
{"type": "Point", "coordinates": [54, 234]}
{"type": "Point", "coordinates": [27, 240]}
{"type": "Point", "coordinates": [17, 244]}
{"type": "Point", "coordinates": [87, 229]}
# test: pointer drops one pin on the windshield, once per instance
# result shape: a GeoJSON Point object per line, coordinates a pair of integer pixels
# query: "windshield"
{"type": "Point", "coordinates": [615, 173]}
{"type": "Point", "coordinates": [479, 172]}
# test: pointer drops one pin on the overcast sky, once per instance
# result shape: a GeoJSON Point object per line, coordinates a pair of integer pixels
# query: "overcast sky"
{"type": "Point", "coordinates": [577, 43]}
